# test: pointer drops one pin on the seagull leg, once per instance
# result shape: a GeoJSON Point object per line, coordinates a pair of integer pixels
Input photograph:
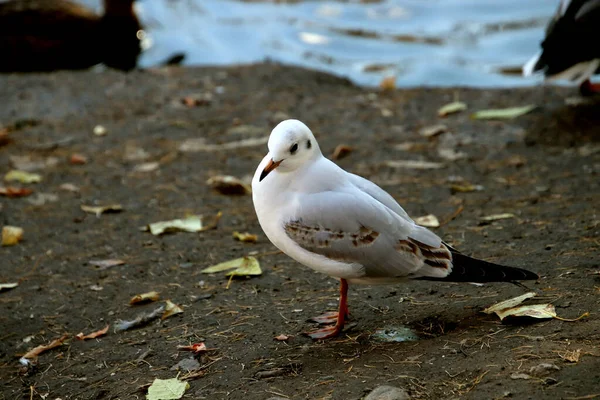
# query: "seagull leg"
{"type": "Point", "coordinates": [588, 88]}
{"type": "Point", "coordinates": [339, 318]}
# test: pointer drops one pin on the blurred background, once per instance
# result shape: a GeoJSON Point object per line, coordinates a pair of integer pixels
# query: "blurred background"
{"type": "Point", "coordinates": [477, 43]}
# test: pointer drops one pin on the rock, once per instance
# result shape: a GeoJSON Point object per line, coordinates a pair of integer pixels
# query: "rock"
{"type": "Point", "coordinates": [387, 393]}
{"type": "Point", "coordinates": [543, 369]}
{"type": "Point", "coordinates": [186, 365]}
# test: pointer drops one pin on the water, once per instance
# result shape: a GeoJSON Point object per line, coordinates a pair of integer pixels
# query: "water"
{"type": "Point", "coordinates": [421, 42]}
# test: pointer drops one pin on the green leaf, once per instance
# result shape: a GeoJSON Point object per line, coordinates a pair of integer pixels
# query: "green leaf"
{"type": "Point", "coordinates": [503, 113]}
{"type": "Point", "coordinates": [167, 389]}
{"type": "Point", "coordinates": [243, 266]}
{"type": "Point", "coordinates": [22, 176]}
{"type": "Point", "coordinates": [452, 108]}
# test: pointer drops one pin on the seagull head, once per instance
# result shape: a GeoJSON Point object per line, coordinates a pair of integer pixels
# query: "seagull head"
{"type": "Point", "coordinates": [291, 145]}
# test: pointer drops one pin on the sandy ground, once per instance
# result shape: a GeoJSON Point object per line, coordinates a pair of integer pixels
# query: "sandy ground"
{"type": "Point", "coordinates": [543, 168]}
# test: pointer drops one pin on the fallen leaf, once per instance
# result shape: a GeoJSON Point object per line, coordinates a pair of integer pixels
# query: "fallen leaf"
{"type": "Point", "coordinates": [465, 188]}
{"type": "Point", "coordinates": [144, 298]}
{"type": "Point", "coordinates": [226, 184]}
{"type": "Point", "coordinates": [241, 267]}
{"type": "Point", "coordinates": [510, 303]}
{"type": "Point", "coordinates": [11, 191]}
{"type": "Point", "coordinates": [388, 83]}
{"type": "Point", "coordinates": [428, 221]}
{"type": "Point", "coordinates": [452, 108]}
{"type": "Point", "coordinates": [192, 223]}
{"type": "Point", "coordinates": [413, 164]}
{"type": "Point", "coordinates": [99, 210]}
{"type": "Point", "coordinates": [281, 338]}
{"type": "Point", "coordinates": [11, 235]}
{"type": "Point", "coordinates": [92, 335]}
{"type": "Point", "coordinates": [78, 159]}
{"type": "Point", "coordinates": [140, 320]}
{"type": "Point", "coordinates": [341, 151]}
{"type": "Point", "coordinates": [32, 355]}
{"type": "Point", "coordinates": [171, 309]}
{"type": "Point", "coordinates": [167, 389]}
{"type": "Point", "coordinates": [537, 311]}
{"type": "Point", "coordinates": [99, 130]}
{"type": "Point", "coordinates": [8, 286]}
{"type": "Point", "coordinates": [22, 176]}
{"type": "Point", "coordinates": [105, 264]}
{"type": "Point", "coordinates": [245, 237]}
{"type": "Point", "coordinates": [69, 187]}
{"type": "Point", "coordinates": [496, 217]}
{"type": "Point", "coordinates": [503, 113]}
{"type": "Point", "coordinates": [433, 130]}
{"type": "Point", "coordinates": [198, 144]}
{"type": "Point", "coordinates": [520, 376]}
{"type": "Point", "coordinates": [147, 167]}
{"type": "Point", "coordinates": [543, 369]}
{"type": "Point", "coordinates": [451, 154]}
{"type": "Point", "coordinates": [572, 356]}
{"type": "Point", "coordinates": [196, 347]}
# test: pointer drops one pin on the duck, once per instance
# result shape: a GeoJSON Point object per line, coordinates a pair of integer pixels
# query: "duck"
{"type": "Point", "coordinates": [569, 50]}
{"type": "Point", "coordinates": [50, 35]}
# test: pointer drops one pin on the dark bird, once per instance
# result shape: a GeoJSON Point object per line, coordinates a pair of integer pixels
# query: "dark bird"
{"type": "Point", "coordinates": [49, 35]}
{"type": "Point", "coordinates": [570, 49]}
{"type": "Point", "coordinates": [349, 228]}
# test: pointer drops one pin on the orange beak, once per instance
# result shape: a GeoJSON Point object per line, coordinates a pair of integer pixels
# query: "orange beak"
{"type": "Point", "coordinates": [271, 165]}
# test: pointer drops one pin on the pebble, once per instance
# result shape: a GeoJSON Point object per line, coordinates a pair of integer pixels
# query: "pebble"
{"type": "Point", "coordinates": [543, 369]}
{"type": "Point", "coordinates": [387, 393]}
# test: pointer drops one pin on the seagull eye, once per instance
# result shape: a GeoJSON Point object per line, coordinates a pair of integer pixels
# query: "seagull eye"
{"type": "Point", "coordinates": [294, 148]}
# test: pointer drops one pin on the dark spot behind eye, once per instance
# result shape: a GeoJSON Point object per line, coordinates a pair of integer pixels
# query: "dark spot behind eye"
{"type": "Point", "coordinates": [294, 148]}
{"type": "Point", "coordinates": [308, 144]}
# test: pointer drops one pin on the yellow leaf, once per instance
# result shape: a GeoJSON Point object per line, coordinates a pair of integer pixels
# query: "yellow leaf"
{"type": "Point", "coordinates": [245, 237]}
{"type": "Point", "coordinates": [452, 108]}
{"type": "Point", "coordinates": [242, 267]}
{"type": "Point", "coordinates": [510, 303]}
{"type": "Point", "coordinates": [167, 389]}
{"type": "Point", "coordinates": [22, 176]}
{"type": "Point", "coordinates": [503, 113]}
{"type": "Point", "coordinates": [171, 309]}
{"type": "Point", "coordinates": [11, 235]}
{"type": "Point", "coordinates": [192, 223]}
{"type": "Point", "coordinates": [144, 297]}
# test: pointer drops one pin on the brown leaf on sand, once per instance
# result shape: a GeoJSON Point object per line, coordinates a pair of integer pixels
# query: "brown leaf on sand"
{"type": "Point", "coordinates": [144, 298]}
{"type": "Point", "coordinates": [77, 159]}
{"type": "Point", "coordinates": [171, 309]}
{"type": "Point", "coordinates": [341, 151]}
{"type": "Point", "coordinates": [245, 237]}
{"type": "Point", "coordinates": [31, 355]}
{"type": "Point", "coordinates": [11, 191]}
{"type": "Point", "coordinates": [93, 335]}
{"type": "Point", "coordinates": [282, 337]}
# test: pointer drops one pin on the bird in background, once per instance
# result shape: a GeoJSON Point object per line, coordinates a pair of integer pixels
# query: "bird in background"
{"type": "Point", "coordinates": [49, 35]}
{"type": "Point", "coordinates": [349, 228]}
{"type": "Point", "coordinates": [570, 49]}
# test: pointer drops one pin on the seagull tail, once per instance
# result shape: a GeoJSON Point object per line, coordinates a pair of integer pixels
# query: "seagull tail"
{"type": "Point", "coordinates": [467, 269]}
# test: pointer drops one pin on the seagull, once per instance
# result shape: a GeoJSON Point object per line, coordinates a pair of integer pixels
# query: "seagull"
{"type": "Point", "coordinates": [569, 50]}
{"type": "Point", "coordinates": [349, 228]}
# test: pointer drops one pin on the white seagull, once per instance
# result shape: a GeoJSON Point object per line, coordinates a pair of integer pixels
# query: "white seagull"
{"type": "Point", "coordinates": [349, 228]}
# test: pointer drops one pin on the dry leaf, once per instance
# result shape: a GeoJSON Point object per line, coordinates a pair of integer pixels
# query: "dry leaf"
{"type": "Point", "coordinates": [99, 210]}
{"type": "Point", "coordinates": [245, 237]}
{"type": "Point", "coordinates": [428, 221]}
{"type": "Point", "coordinates": [192, 223]}
{"type": "Point", "coordinates": [11, 191]}
{"type": "Point", "coordinates": [452, 108]}
{"type": "Point", "coordinates": [146, 167]}
{"type": "Point", "coordinates": [31, 355]}
{"type": "Point", "coordinates": [171, 309]}
{"type": "Point", "coordinates": [413, 164]}
{"type": "Point", "coordinates": [195, 145]}
{"type": "Point", "coordinates": [282, 337]}
{"type": "Point", "coordinates": [388, 83]}
{"type": "Point", "coordinates": [105, 264]}
{"type": "Point", "coordinates": [226, 184]}
{"type": "Point", "coordinates": [8, 286]}
{"type": "Point", "coordinates": [503, 113]}
{"type": "Point", "coordinates": [22, 176]}
{"type": "Point", "coordinates": [99, 130]}
{"type": "Point", "coordinates": [93, 335]}
{"type": "Point", "coordinates": [341, 151]}
{"type": "Point", "coordinates": [243, 266]}
{"type": "Point", "coordinates": [572, 356]}
{"type": "Point", "coordinates": [537, 311]}
{"type": "Point", "coordinates": [465, 188]}
{"type": "Point", "coordinates": [144, 297]}
{"type": "Point", "coordinates": [11, 235]}
{"type": "Point", "coordinates": [434, 130]}
{"type": "Point", "coordinates": [496, 217]}
{"type": "Point", "coordinates": [510, 303]}
{"type": "Point", "coordinates": [69, 187]}
{"type": "Point", "coordinates": [167, 389]}
{"type": "Point", "coordinates": [196, 347]}
{"type": "Point", "coordinates": [78, 159]}
{"type": "Point", "coordinates": [141, 319]}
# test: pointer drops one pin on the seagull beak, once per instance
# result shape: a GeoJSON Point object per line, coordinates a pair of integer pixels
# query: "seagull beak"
{"type": "Point", "coordinates": [271, 165]}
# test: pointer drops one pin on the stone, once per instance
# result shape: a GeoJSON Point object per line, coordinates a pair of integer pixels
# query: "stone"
{"type": "Point", "coordinates": [387, 393]}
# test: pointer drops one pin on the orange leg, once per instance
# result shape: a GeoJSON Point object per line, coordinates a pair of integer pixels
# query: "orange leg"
{"type": "Point", "coordinates": [339, 318]}
{"type": "Point", "coordinates": [588, 88]}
